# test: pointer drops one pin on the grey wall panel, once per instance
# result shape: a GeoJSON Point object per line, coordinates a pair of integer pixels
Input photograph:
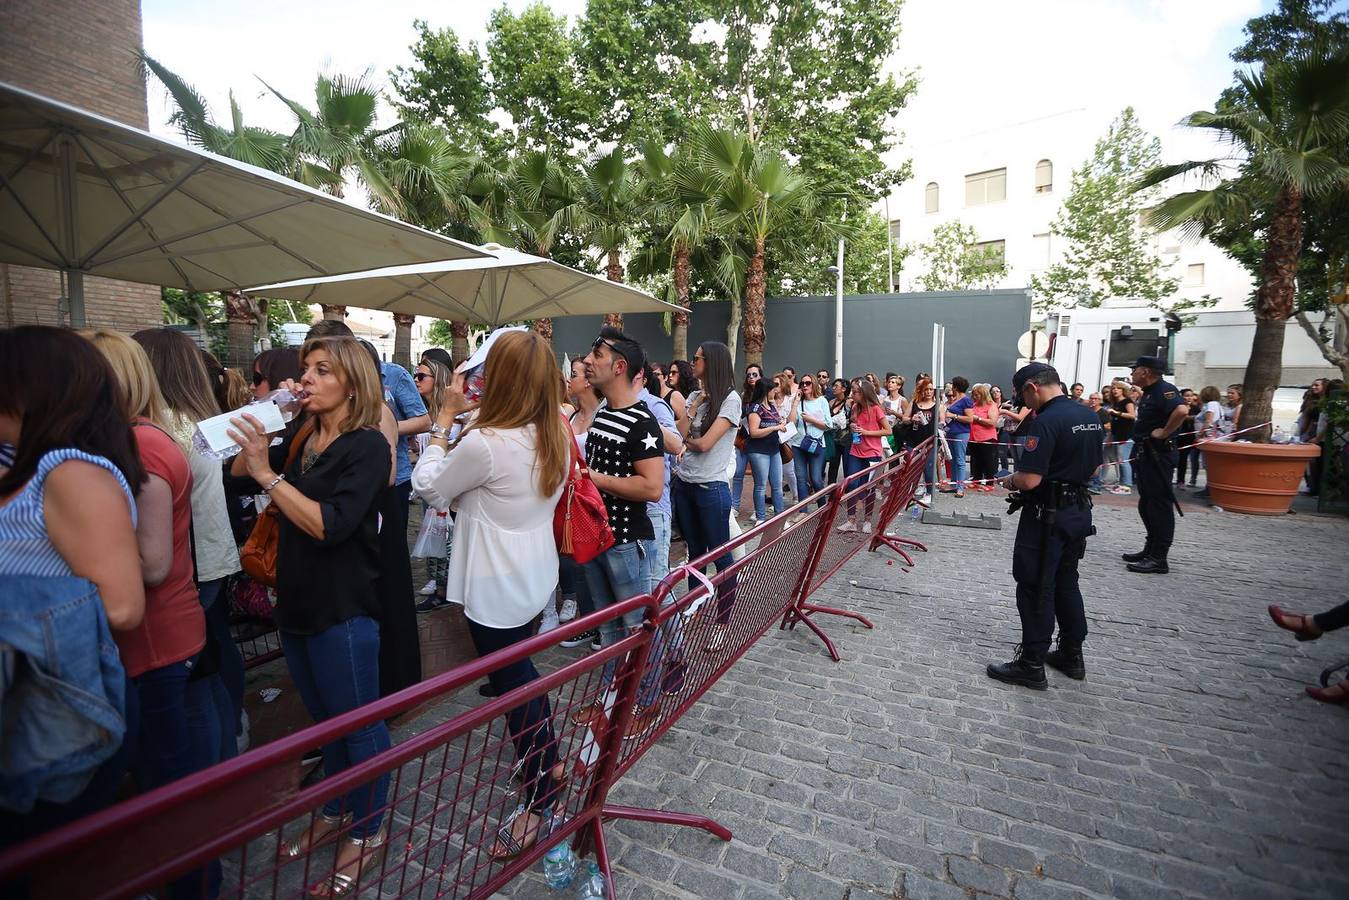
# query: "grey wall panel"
{"type": "Point", "coordinates": [881, 332]}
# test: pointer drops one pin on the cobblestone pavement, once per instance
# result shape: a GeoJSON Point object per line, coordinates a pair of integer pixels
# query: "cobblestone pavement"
{"type": "Point", "coordinates": [1189, 764]}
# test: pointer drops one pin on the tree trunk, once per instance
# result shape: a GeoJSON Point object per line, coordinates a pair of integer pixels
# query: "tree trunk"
{"type": "Point", "coordinates": [241, 316]}
{"type": "Point", "coordinates": [680, 332]}
{"type": "Point", "coordinates": [615, 274]}
{"type": "Point", "coordinates": [1273, 306]}
{"type": "Point", "coordinates": [1327, 343]}
{"type": "Point", "coordinates": [264, 324]}
{"type": "Point", "coordinates": [459, 345]}
{"type": "Point", "coordinates": [755, 335]}
{"type": "Point", "coordinates": [544, 329]}
{"type": "Point", "coordinates": [402, 339]}
{"type": "Point", "coordinates": [334, 312]}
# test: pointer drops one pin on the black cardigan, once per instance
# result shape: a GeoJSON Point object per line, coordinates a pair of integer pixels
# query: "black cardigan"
{"type": "Point", "coordinates": [320, 584]}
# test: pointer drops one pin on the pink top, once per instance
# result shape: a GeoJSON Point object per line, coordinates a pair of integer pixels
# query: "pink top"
{"type": "Point", "coordinates": [870, 419]}
{"type": "Point", "coordinates": [979, 432]}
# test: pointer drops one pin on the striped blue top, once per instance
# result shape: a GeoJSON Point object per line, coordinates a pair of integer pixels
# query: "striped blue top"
{"type": "Point", "coordinates": [25, 548]}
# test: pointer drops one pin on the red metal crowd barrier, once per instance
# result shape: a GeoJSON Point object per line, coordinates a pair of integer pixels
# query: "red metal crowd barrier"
{"type": "Point", "coordinates": [558, 743]}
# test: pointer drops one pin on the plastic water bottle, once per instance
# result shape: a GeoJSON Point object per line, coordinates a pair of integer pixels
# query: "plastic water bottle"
{"type": "Point", "coordinates": [289, 403]}
{"type": "Point", "coordinates": [916, 512]}
{"type": "Point", "coordinates": [592, 886]}
{"type": "Point", "coordinates": [559, 864]}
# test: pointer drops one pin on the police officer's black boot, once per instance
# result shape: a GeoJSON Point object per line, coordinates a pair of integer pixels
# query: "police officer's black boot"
{"type": "Point", "coordinates": [1140, 555]}
{"type": "Point", "coordinates": [1067, 658]}
{"type": "Point", "coordinates": [1154, 564]}
{"type": "Point", "coordinates": [1027, 670]}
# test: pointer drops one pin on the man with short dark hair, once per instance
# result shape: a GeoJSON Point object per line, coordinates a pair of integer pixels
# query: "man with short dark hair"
{"type": "Point", "coordinates": [1060, 449]}
{"type": "Point", "coordinates": [1077, 391]}
{"type": "Point", "coordinates": [1161, 412]}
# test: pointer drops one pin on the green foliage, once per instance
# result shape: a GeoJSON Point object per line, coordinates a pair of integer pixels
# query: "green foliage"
{"type": "Point", "coordinates": [535, 78]}
{"type": "Point", "coordinates": [1106, 251]}
{"type": "Point", "coordinates": [438, 334]}
{"type": "Point", "coordinates": [447, 85]}
{"type": "Point", "coordinates": [954, 262]}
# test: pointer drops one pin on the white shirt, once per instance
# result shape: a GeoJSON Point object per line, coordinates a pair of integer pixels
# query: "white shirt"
{"type": "Point", "coordinates": [503, 563]}
{"type": "Point", "coordinates": [217, 556]}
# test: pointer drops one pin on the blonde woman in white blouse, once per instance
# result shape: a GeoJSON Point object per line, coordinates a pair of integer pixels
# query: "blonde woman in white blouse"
{"type": "Point", "coordinates": [503, 477]}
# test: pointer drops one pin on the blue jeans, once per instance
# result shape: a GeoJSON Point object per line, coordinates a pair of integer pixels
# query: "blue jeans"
{"type": "Point", "coordinates": [1126, 470]}
{"type": "Point", "coordinates": [809, 472]}
{"type": "Point", "coordinates": [336, 671]}
{"type": "Point", "coordinates": [738, 479]}
{"type": "Point", "coordinates": [851, 466]}
{"type": "Point", "coordinates": [767, 470]}
{"type": "Point", "coordinates": [180, 733]}
{"type": "Point", "coordinates": [571, 581]}
{"type": "Point", "coordinates": [959, 445]}
{"type": "Point", "coordinates": [930, 471]}
{"type": "Point", "coordinates": [615, 575]}
{"type": "Point", "coordinates": [704, 511]}
{"type": "Point", "coordinates": [530, 725]}
{"type": "Point", "coordinates": [217, 608]}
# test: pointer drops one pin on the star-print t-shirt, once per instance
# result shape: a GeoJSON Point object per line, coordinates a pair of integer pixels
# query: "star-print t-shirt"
{"type": "Point", "coordinates": [618, 438]}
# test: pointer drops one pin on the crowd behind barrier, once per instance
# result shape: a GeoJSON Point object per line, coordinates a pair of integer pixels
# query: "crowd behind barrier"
{"type": "Point", "coordinates": [454, 783]}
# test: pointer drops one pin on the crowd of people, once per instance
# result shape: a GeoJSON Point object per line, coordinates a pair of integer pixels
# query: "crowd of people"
{"type": "Point", "coordinates": [144, 613]}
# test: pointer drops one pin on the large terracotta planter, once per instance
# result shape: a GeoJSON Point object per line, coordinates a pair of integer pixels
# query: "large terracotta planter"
{"type": "Point", "coordinates": [1260, 479]}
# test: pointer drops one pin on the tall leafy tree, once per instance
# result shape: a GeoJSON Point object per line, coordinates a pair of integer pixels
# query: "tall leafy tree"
{"type": "Point", "coordinates": [679, 192]}
{"type": "Point", "coordinates": [1106, 252]}
{"type": "Point", "coordinates": [955, 262]}
{"type": "Point", "coordinates": [1288, 128]}
{"type": "Point", "coordinates": [536, 81]}
{"type": "Point", "coordinates": [758, 195]}
{"type": "Point", "coordinates": [614, 200]}
{"type": "Point", "coordinates": [447, 84]}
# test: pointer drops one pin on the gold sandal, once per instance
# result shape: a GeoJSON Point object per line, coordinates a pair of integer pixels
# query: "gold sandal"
{"type": "Point", "coordinates": [372, 853]}
{"type": "Point", "coordinates": [336, 825]}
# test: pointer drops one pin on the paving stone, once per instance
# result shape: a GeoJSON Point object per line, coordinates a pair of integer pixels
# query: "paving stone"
{"type": "Point", "coordinates": [1188, 764]}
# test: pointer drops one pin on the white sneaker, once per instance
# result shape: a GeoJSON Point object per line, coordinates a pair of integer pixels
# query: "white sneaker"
{"type": "Point", "coordinates": [568, 611]}
{"type": "Point", "coordinates": [241, 739]}
{"type": "Point", "coordinates": [549, 618]}
{"type": "Point", "coordinates": [429, 589]}
{"type": "Point", "coordinates": [866, 528]}
{"type": "Point", "coordinates": [847, 527]}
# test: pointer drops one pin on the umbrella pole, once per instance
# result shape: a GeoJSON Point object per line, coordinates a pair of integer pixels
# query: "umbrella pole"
{"type": "Point", "coordinates": [75, 297]}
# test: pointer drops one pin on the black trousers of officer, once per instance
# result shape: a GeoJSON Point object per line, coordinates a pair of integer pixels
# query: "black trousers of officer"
{"type": "Point", "coordinates": [1152, 478]}
{"type": "Point", "coordinates": [1061, 598]}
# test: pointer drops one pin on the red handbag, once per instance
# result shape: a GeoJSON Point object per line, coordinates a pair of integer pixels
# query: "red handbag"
{"type": "Point", "coordinates": [580, 522]}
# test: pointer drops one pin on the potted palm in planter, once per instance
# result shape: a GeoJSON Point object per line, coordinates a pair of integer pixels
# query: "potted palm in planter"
{"type": "Point", "coordinates": [1289, 133]}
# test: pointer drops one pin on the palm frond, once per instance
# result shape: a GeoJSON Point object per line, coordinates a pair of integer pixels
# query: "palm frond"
{"type": "Point", "coordinates": [1197, 213]}
{"type": "Point", "coordinates": [1313, 172]}
{"type": "Point", "coordinates": [192, 115]}
{"type": "Point", "coordinates": [1157, 175]}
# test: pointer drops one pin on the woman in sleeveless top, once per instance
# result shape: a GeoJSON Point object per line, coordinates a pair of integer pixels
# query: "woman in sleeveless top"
{"type": "Point", "coordinates": [74, 473]}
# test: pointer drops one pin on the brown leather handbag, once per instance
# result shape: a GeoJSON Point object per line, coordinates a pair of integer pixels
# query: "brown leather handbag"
{"type": "Point", "coordinates": [258, 555]}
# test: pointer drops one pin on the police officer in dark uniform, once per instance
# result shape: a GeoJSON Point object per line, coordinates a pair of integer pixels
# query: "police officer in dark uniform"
{"type": "Point", "coordinates": [1060, 449]}
{"type": "Point", "coordinates": [1161, 411]}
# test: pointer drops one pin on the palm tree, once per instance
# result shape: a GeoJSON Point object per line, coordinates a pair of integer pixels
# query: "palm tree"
{"type": "Point", "coordinates": [613, 198]}
{"type": "Point", "coordinates": [757, 193]}
{"type": "Point", "coordinates": [1288, 128]}
{"type": "Point", "coordinates": [679, 193]}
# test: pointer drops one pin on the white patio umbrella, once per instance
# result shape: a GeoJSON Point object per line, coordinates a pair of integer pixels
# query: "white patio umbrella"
{"type": "Point", "coordinates": [91, 196]}
{"type": "Point", "coordinates": [508, 286]}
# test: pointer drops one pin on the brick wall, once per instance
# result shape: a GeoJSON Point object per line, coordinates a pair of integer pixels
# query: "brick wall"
{"type": "Point", "coordinates": [78, 52]}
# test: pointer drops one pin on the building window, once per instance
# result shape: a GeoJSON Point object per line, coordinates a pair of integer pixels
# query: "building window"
{"type": "Point", "coordinates": [894, 230]}
{"type": "Point", "coordinates": [986, 187]}
{"type": "Point", "coordinates": [1044, 177]}
{"type": "Point", "coordinates": [995, 249]}
{"type": "Point", "coordinates": [1194, 275]}
{"type": "Point", "coordinates": [930, 197]}
{"type": "Point", "coordinates": [1041, 250]}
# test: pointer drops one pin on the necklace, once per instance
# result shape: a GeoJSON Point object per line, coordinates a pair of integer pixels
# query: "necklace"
{"type": "Point", "coordinates": [310, 457]}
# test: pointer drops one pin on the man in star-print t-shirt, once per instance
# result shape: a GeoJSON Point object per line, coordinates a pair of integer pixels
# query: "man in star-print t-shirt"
{"type": "Point", "coordinates": [626, 458]}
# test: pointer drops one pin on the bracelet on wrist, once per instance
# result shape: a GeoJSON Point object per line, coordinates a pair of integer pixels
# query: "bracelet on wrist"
{"type": "Point", "coordinates": [267, 489]}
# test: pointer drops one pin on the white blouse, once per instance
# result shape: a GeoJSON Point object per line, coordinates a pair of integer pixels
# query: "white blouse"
{"type": "Point", "coordinates": [503, 561]}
